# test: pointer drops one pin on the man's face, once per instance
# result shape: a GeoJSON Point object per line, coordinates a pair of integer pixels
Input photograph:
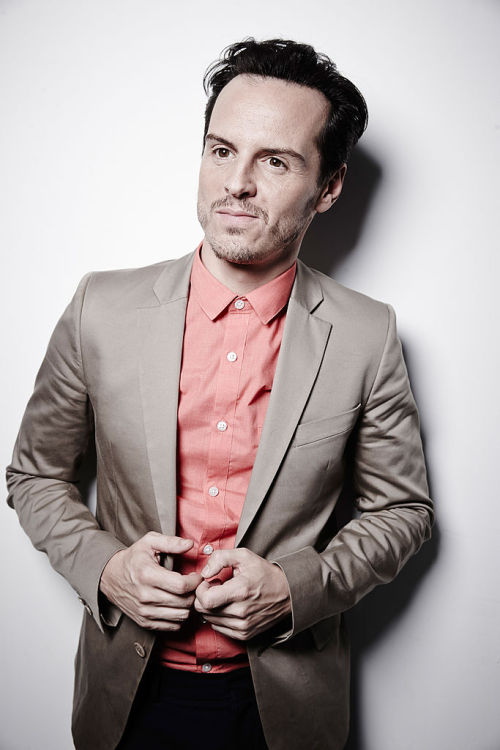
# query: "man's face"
{"type": "Point", "coordinates": [258, 187]}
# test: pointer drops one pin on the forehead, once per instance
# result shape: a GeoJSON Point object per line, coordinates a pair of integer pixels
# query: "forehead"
{"type": "Point", "coordinates": [259, 108]}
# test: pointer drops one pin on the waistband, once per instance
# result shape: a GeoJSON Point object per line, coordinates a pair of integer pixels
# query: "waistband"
{"type": "Point", "coordinates": [201, 685]}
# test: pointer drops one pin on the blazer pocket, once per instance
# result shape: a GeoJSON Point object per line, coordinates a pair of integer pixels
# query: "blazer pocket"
{"type": "Point", "coordinates": [324, 631]}
{"type": "Point", "coordinates": [319, 429]}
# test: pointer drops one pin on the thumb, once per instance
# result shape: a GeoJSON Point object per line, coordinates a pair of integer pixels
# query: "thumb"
{"type": "Point", "coordinates": [221, 558]}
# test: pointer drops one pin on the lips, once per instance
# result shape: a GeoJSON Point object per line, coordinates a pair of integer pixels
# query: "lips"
{"type": "Point", "coordinates": [237, 214]}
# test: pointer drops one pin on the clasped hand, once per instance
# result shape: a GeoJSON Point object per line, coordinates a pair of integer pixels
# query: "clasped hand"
{"type": "Point", "coordinates": [253, 599]}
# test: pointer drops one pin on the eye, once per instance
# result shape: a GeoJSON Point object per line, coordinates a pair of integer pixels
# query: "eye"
{"type": "Point", "coordinates": [221, 152]}
{"type": "Point", "coordinates": [276, 163]}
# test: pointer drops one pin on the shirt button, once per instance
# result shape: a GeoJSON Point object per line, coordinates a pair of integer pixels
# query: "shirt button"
{"type": "Point", "coordinates": [206, 668]}
{"type": "Point", "coordinates": [222, 425]}
{"type": "Point", "coordinates": [232, 356]}
{"type": "Point", "coordinates": [208, 549]}
{"type": "Point", "coordinates": [239, 304]}
{"type": "Point", "coordinates": [213, 491]}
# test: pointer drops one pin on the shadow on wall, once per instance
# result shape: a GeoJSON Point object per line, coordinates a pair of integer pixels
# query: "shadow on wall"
{"type": "Point", "coordinates": [328, 242]}
{"type": "Point", "coordinates": [333, 235]}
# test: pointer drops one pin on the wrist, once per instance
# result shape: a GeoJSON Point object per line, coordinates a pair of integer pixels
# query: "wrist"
{"type": "Point", "coordinates": [109, 572]}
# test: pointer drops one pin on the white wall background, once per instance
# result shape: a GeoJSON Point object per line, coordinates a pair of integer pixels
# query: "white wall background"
{"type": "Point", "coordinates": [101, 122]}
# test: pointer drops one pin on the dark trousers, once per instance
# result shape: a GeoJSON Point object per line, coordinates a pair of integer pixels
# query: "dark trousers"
{"type": "Point", "coordinates": [177, 710]}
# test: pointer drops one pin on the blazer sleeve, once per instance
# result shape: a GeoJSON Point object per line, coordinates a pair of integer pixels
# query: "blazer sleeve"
{"type": "Point", "coordinates": [395, 511]}
{"type": "Point", "coordinates": [43, 477]}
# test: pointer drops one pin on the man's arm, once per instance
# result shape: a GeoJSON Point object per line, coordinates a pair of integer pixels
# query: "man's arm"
{"type": "Point", "coordinates": [396, 513]}
{"type": "Point", "coordinates": [396, 517]}
{"type": "Point", "coordinates": [42, 478]}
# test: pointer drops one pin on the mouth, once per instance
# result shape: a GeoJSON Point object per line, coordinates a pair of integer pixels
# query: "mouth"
{"type": "Point", "coordinates": [233, 219]}
{"type": "Point", "coordinates": [236, 214]}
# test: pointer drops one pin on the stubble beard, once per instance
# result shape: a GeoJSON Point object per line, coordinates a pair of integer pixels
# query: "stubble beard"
{"type": "Point", "coordinates": [236, 249]}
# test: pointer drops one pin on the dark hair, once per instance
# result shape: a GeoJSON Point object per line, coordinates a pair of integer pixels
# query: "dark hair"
{"type": "Point", "coordinates": [297, 63]}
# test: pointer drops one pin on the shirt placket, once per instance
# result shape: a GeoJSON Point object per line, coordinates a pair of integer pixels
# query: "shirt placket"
{"type": "Point", "coordinates": [222, 426]}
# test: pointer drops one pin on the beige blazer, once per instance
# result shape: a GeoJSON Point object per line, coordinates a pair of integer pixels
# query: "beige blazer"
{"type": "Point", "coordinates": [341, 389]}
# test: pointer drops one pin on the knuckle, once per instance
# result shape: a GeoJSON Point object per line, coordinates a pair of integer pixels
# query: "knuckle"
{"type": "Point", "coordinates": [239, 610]}
{"type": "Point", "coordinates": [177, 584]}
{"type": "Point", "coordinates": [205, 601]}
{"type": "Point", "coordinates": [244, 591]}
{"type": "Point", "coordinates": [146, 576]}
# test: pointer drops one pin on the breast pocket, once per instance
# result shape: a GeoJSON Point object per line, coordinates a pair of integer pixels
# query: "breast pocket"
{"type": "Point", "coordinates": [328, 427]}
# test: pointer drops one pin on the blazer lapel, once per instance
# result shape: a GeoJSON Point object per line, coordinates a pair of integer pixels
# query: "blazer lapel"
{"type": "Point", "coordinates": [304, 340]}
{"type": "Point", "coordinates": [161, 336]}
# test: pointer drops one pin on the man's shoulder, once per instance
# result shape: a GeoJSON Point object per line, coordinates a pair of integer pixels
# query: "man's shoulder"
{"type": "Point", "coordinates": [339, 302]}
{"type": "Point", "coordinates": [140, 286]}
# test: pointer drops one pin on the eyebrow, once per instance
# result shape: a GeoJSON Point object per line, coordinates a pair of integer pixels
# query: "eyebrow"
{"type": "Point", "coordinates": [274, 151]}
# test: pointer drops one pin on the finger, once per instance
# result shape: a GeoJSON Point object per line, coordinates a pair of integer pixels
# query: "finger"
{"type": "Point", "coordinates": [229, 621]}
{"type": "Point", "coordinates": [230, 633]}
{"type": "Point", "coordinates": [161, 625]}
{"type": "Point", "coordinates": [213, 597]}
{"type": "Point", "coordinates": [171, 581]}
{"type": "Point", "coordinates": [231, 611]}
{"type": "Point", "coordinates": [175, 545]}
{"type": "Point", "coordinates": [170, 614]}
{"type": "Point", "coordinates": [223, 558]}
{"type": "Point", "coordinates": [161, 598]}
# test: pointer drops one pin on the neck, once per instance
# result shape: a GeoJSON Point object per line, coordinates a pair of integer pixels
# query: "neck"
{"type": "Point", "coordinates": [242, 278]}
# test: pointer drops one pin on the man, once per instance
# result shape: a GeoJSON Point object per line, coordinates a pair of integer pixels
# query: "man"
{"type": "Point", "coordinates": [231, 392]}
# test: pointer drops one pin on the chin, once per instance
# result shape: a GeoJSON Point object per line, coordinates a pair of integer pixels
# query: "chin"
{"type": "Point", "coordinates": [235, 249]}
{"type": "Point", "coordinates": [236, 254]}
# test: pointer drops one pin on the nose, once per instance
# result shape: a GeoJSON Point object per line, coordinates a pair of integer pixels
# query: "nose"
{"type": "Point", "coordinates": [240, 180]}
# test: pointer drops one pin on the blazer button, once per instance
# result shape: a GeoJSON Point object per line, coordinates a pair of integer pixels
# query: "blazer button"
{"type": "Point", "coordinates": [139, 649]}
{"type": "Point", "coordinates": [85, 606]}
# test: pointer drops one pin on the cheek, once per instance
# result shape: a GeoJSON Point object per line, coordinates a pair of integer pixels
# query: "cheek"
{"type": "Point", "coordinates": [210, 178]}
{"type": "Point", "coordinates": [204, 182]}
{"type": "Point", "coordinates": [292, 209]}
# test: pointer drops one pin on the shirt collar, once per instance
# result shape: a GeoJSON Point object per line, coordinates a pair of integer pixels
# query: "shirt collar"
{"type": "Point", "coordinates": [267, 300]}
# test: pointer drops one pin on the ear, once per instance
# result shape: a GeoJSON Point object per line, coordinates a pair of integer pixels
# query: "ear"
{"type": "Point", "coordinates": [331, 191]}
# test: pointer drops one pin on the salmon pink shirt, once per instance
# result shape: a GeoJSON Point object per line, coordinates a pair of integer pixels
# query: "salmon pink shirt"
{"type": "Point", "coordinates": [230, 351]}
